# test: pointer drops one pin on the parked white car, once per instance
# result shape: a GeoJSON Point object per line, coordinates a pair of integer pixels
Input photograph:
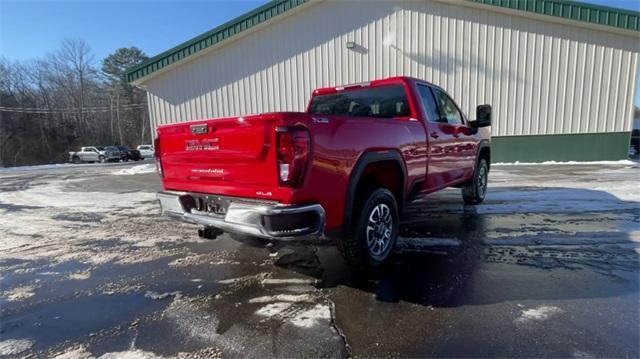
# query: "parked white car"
{"type": "Point", "coordinates": [146, 151]}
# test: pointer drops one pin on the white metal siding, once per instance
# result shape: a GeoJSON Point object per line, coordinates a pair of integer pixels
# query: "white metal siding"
{"type": "Point", "coordinates": [541, 77]}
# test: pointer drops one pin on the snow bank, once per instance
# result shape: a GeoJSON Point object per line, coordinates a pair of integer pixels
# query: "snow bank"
{"type": "Point", "coordinates": [546, 163]}
{"type": "Point", "coordinates": [146, 168]}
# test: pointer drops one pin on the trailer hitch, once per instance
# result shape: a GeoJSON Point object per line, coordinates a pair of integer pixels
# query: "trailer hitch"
{"type": "Point", "coordinates": [209, 232]}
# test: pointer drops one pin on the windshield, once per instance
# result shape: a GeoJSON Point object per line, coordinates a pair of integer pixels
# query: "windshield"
{"type": "Point", "coordinates": [384, 101]}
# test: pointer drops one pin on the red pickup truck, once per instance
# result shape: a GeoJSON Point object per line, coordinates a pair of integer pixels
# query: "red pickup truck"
{"type": "Point", "coordinates": [343, 169]}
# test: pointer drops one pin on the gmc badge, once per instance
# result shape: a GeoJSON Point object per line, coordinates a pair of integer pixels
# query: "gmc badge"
{"type": "Point", "coordinates": [199, 129]}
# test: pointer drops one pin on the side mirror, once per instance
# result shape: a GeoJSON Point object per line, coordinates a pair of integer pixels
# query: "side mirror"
{"type": "Point", "coordinates": [483, 116]}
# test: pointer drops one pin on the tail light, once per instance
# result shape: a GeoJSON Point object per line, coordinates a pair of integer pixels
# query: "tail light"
{"type": "Point", "coordinates": [156, 154]}
{"type": "Point", "coordinates": [293, 152]}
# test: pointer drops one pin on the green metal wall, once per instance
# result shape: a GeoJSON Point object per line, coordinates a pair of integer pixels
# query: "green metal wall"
{"type": "Point", "coordinates": [576, 147]}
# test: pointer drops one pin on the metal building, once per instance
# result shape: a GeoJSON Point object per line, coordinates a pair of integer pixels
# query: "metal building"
{"type": "Point", "coordinates": [561, 75]}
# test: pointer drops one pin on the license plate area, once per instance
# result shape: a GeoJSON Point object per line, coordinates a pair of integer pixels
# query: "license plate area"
{"type": "Point", "coordinates": [211, 205]}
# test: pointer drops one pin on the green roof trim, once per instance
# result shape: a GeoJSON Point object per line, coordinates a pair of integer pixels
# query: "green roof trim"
{"type": "Point", "coordinates": [566, 9]}
{"type": "Point", "coordinates": [573, 10]}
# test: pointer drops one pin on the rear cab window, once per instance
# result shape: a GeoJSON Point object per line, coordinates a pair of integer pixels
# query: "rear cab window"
{"type": "Point", "coordinates": [386, 101]}
{"type": "Point", "coordinates": [429, 104]}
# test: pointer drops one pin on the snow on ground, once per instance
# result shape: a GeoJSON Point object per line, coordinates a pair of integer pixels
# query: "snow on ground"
{"type": "Point", "coordinates": [570, 163]}
{"type": "Point", "coordinates": [58, 221]}
{"type": "Point", "coordinates": [282, 298]}
{"type": "Point", "coordinates": [539, 314]}
{"type": "Point", "coordinates": [14, 346]}
{"type": "Point", "coordinates": [82, 353]}
{"type": "Point", "coordinates": [57, 194]}
{"type": "Point", "coordinates": [43, 208]}
{"type": "Point", "coordinates": [37, 167]}
{"type": "Point", "coordinates": [304, 310]}
{"type": "Point", "coordinates": [146, 168]}
{"type": "Point", "coordinates": [603, 189]}
{"type": "Point", "coordinates": [18, 293]}
{"type": "Point", "coordinates": [318, 315]}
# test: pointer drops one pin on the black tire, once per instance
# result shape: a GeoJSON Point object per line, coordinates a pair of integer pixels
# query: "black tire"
{"type": "Point", "coordinates": [475, 191]}
{"type": "Point", "coordinates": [101, 159]}
{"type": "Point", "coordinates": [76, 159]}
{"type": "Point", "coordinates": [374, 230]}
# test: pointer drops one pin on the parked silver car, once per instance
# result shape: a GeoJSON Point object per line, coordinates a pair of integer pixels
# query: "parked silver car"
{"type": "Point", "coordinates": [94, 154]}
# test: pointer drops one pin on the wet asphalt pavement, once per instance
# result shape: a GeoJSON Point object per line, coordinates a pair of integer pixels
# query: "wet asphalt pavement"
{"type": "Point", "coordinates": [546, 267]}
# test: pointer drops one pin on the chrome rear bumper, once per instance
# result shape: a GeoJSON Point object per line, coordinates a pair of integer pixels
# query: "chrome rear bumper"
{"type": "Point", "coordinates": [270, 221]}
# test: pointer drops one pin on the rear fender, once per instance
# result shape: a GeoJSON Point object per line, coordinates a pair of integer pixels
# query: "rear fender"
{"type": "Point", "coordinates": [365, 160]}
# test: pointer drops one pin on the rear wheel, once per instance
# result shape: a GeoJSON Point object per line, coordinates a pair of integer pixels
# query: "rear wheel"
{"type": "Point", "coordinates": [374, 235]}
{"type": "Point", "coordinates": [76, 159]}
{"type": "Point", "coordinates": [474, 191]}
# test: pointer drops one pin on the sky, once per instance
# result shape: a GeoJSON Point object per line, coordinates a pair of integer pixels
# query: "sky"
{"type": "Point", "coordinates": [32, 29]}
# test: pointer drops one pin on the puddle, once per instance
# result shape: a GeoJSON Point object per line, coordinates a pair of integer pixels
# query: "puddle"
{"type": "Point", "coordinates": [75, 318]}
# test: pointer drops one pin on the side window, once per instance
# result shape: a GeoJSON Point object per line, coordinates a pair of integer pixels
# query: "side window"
{"type": "Point", "coordinates": [429, 104]}
{"type": "Point", "coordinates": [448, 108]}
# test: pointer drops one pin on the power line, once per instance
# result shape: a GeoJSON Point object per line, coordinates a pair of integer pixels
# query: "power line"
{"type": "Point", "coordinates": [70, 110]}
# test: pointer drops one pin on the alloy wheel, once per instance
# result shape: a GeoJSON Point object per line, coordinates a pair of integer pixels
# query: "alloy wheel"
{"type": "Point", "coordinates": [379, 230]}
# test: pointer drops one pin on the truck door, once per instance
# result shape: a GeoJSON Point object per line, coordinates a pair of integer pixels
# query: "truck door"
{"type": "Point", "coordinates": [466, 144]}
{"type": "Point", "coordinates": [467, 148]}
{"type": "Point", "coordinates": [441, 142]}
{"type": "Point", "coordinates": [89, 154]}
{"type": "Point", "coordinates": [450, 113]}
{"type": "Point", "coordinates": [83, 154]}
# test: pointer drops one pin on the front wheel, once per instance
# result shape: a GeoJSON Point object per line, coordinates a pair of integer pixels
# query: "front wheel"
{"type": "Point", "coordinates": [374, 235]}
{"type": "Point", "coordinates": [76, 159]}
{"type": "Point", "coordinates": [474, 191]}
{"type": "Point", "coordinates": [101, 159]}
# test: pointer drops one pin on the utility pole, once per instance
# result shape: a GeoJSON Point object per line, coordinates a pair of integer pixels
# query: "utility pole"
{"type": "Point", "coordinates": [118, 117]}
{"type": "Point", "coordinates": [111, 115]}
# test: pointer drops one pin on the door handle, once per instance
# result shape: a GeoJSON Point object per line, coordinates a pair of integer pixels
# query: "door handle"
{"type": "Point", "coordinates": [434, 134]}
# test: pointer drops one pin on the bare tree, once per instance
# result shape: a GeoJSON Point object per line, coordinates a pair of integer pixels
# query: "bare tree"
{"type": "Point", "coordinates": [59, 102]}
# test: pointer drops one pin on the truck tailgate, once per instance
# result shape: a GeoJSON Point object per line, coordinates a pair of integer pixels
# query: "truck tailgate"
{"type": "Point", "coordinates": [228, 156]}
